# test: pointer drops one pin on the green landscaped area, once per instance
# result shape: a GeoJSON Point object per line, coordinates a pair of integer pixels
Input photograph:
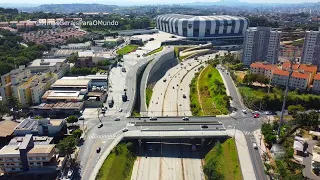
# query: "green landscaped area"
{"type": "Point", "coordinates": [127, 49]}
{"type": "Point", "coordinates": [222, 162]}
{"type": "Point", "coordinates": [194, 102]}
{"type": "Point", "coordinates": [213, 97]}
{"type": "Point", "coordinates": [119, 163]}
{"type": "Point", "coordinates": [155, 51]}
{"type": "Point", "coordinates": [148, 95]}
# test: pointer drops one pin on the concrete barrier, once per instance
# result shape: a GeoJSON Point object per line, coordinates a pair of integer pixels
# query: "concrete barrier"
{"type": "Point", "coordinates": [153, 72]}
{"type": "Point", "coordinates": [104, 156]}
{"type": "Point", "coordinates": [132, 81]}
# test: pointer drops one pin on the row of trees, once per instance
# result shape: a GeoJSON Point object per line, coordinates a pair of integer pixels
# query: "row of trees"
{"type": "Point", "coordinates": [259, 97]}
{"type": "Point", "coordinates": [83, 70]}
{"type": "Point", "coordinates": [67, 145]}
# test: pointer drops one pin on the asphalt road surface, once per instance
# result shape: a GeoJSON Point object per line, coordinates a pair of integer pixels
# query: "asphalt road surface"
{"type": "Point", "coordinates": [168, 162]}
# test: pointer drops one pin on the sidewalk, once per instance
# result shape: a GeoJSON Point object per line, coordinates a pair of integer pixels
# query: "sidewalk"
{"type": "Point", "coordinates": [243, 154]}
{"type": "Point", "coordinates": [260, 142]}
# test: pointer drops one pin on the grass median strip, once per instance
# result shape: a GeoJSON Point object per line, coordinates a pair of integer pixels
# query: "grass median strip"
{"type": "Point", "coordinates": [118, 164]}
{"type": "Point", "coordinates": [127, 49]}
{"type": "Point", "coordinates": [148, 95]}
{"type": "Point", "coordinates": [194, 103]}
{"type": "Point", "coordinates": [222, 162]}
{"type": "Point", "coordinates": [213, 97]}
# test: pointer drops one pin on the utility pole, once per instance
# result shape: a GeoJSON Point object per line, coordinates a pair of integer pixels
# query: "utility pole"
{"type": "Point", "coordinates": [292, 61]}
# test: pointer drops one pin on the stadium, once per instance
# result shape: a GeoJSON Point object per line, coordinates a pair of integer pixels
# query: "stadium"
{"type": "Point", "coordinates": [202, 27]}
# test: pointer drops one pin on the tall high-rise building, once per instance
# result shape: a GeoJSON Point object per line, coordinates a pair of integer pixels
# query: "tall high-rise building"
{"type": "Point", "coordinates": [261, 44]}
{"type": "Point", "coordinates": [311, 48]}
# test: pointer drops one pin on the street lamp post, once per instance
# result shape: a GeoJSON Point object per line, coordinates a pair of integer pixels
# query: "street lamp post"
{"type": "Point", "coordinates": [285, 96]}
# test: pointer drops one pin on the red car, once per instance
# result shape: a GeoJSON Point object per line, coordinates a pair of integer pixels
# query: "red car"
{"type": "Point", "coordinates": [256, 116]}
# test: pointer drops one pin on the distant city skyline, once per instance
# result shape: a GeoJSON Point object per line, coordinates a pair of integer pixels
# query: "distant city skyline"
{"type": "Point", "coordinates": [142, 2]}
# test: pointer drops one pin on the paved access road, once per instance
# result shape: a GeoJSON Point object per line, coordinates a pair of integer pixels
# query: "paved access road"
{"type": "Point", "coordinates": [168, 162]}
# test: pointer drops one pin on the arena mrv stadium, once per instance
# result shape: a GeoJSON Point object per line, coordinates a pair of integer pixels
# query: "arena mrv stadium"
{"type": "Point", "coordinates": [203, 27]}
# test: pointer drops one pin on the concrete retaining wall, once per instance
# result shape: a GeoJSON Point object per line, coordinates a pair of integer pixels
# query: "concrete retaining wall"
{"type": "Point", "coordinates": [132, 81]}
{"type": "Point", "coordinates": [155, 71]}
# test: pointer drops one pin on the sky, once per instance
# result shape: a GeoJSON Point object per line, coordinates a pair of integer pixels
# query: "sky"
{"type": "Point", "coordinates": [139, 2]}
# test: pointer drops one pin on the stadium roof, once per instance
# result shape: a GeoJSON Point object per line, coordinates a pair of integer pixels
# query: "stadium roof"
{"type": "Point", "coordinates": [214, 17]}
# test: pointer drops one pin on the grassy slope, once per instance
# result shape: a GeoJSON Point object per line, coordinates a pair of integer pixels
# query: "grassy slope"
{"type": "Point", "coordinates": [194, 103]}
{"type": "Point", "coordinates": [148, 95]}
{"type": "Point", "coordinates": [228, 163]}
{"type": "Point", "coordinates": [155, 51]}
{"type": "Point", "coordinates": [127, 49]}
{"type": "Point", "coordinates": [117, 167]}
{"type": "Point", "coordinates": [212, 103]}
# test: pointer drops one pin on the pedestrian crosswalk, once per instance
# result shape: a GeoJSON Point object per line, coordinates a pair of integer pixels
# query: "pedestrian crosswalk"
{"type": "Point", "coordinates": [248, 133]}
{"type": "Point", "coordinates": [97, 136]}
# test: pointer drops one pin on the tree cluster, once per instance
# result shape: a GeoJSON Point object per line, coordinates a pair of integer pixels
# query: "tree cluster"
{"type": "Point", "coordinates": [254, 97]}
{"type": "Point", "coordinates": [83, 70]}
{"type": "Point", "coordinates": [251, 78]}
{"type": "Point", "coordinates": [256, 21]}
{"type": "Point", "coordinates": [13, 54]}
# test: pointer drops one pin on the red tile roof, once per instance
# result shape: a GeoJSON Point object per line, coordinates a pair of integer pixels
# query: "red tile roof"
{"type": "Point", "coordinates": [280, 72]}
{"type": "Point", "coordinates": [304, 67]}
{"type": "Point", "coordinates": [317, 77]}
{"type": "Point", "coordinates": [263, 65]}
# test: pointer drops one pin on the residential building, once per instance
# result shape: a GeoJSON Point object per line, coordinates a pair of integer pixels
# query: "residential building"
{"type": "Point", "coordinates": [28, 88]}
{"type": "Point", "coordinates": [46, 127]}
{"type": "Point", "coordinates": [261, 44]}
{"type": "Point", "coordinates": [301, 78]}
{"type": "Point", "coordinates": [316, 83]}
{"type": "Point", "coordinates": [27, 156]}
{"type": "Point", "coordinates": [262, 68]}
{"type": "Point", "coordinates": [4, 24]}
{"type": "Point", "coordinates": [311, 48]}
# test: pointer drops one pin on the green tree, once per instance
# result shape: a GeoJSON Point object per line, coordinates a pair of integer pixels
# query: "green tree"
{"type": "Point", "coordinates": [3, 110]}
{"type": "Point", "coordinates": [13, 103]}
{"type": "Point", "coordinates": [77, 133]}
{"type": "Point", "coordinates": [294, 109]}
{"type": "Point", "coordinates": [72, 119]}
{"type": "Point", "coordinates": [67, 145]}
{"type": "Point", "coordinates": [38, 117]}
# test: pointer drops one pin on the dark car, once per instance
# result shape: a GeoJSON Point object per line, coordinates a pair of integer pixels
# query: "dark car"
{"type": "Point", "coordinates": [204, 126]}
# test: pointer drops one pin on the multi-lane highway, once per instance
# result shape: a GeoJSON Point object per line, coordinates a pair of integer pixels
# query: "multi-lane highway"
{"type": "Point", "coordinates": [163, 106]}
{"type": "Point", "coordinates": [168, 162]}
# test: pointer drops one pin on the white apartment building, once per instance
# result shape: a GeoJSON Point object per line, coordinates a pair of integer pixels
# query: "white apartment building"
{"type": "Point", "coordinates": [311, 48]}
{"type": "Point", "coordinates": [262, 68]}
{"type": "Point", "coordinates": [261, 44]}
{"type": "Point", "coordinates": [316, 83]}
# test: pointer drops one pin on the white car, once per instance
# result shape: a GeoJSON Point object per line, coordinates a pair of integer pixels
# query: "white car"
{"type": "Point", "coordinates": [185, 118]}
{"type": "Point", "coordinates": [255, 146]}
{"type": "Point", "coordinates": [244, 111]}
{"type": "Point", "coordinates": [117, 119]}
{"type": "Point", "coordinates": [125, 129]}
{"type": "Point", "coordinates": [120, 110]}
{"type": "Point", "coordinates": [153, 118]}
